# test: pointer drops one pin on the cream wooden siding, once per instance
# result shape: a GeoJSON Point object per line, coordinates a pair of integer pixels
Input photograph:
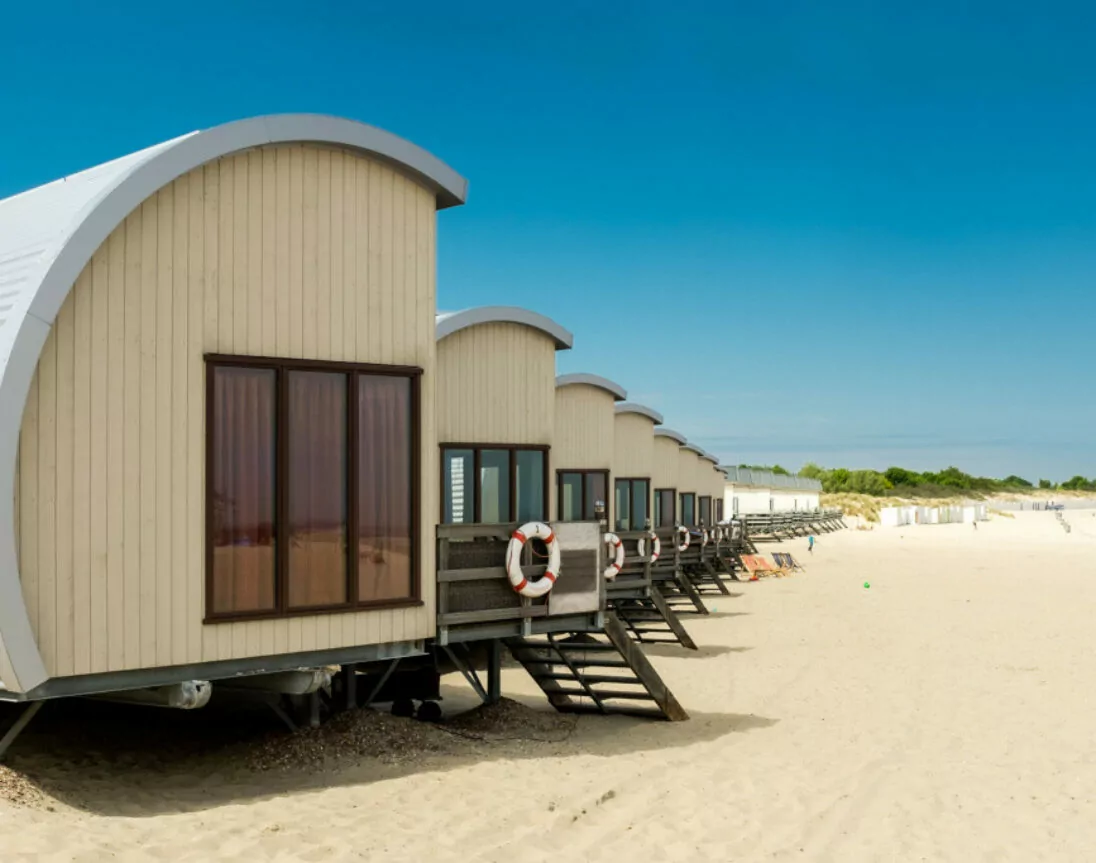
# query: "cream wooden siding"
{"type": "Point", "coordinates": [7, 673]}
{"type": "Point", "coordinates": [496, 384]}
{"type": "Point", "coordinates": [666, 472]}
{"type": "Point", "coordinates": [634, 446]}
{"type": "Point", "coordinates": [687, 471]}
{"type": "Point", "coordinates": [290, 251]}
{"type": "Point", "coordinates": [584, 428]}
{"type": "Point", "coordinates": [583, 436]}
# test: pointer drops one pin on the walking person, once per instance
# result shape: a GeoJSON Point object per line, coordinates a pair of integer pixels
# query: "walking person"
{"type": "Point", "coordinates": [810, 543]}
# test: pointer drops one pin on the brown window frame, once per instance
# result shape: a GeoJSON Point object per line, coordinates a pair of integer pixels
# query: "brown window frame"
{"type": "Point", "coordinates": [673, 514]}
{"type": "Point", "coordinates": [584, 473]}
{"type": "Point", "coordinates": [700, 509]}
{"type": "Point", "coordinates": [630, 480]}
{"type": "Point", "coordinates": [718, 504]}
{"type": "Point", "coordinates": [477, 448]}
{"type": "Point", "coordinates": [681, 506]}
{"type": "Point", "coordinates": [281, 366]}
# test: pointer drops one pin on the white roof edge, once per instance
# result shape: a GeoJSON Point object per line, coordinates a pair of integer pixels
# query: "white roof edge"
{"type": "Point", "coordinates": [71, 219]}
{"type": "Point", "coordinates": [614, 389]}
{"type": "Point", "coordinates": [692, 447]}
{"type": "Point", "coordinates": [674, 435]}
{"type": "Point", "coordinates": [707, 455]}
{"type": "Point", "coordinates": [452, 322]}
{"type": "Point", "coordinates": [644, 411]}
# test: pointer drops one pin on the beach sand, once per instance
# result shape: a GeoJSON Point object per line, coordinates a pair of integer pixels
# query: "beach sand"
{"type": "Point", "coordinates": [944, 713]}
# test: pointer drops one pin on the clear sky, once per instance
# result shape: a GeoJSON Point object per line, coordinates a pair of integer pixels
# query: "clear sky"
{"type": "Point", "coordinates": [845, 232]}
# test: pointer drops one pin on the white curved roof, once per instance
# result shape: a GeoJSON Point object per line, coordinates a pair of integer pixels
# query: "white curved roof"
{"type": "Point", "coordinates": [670, 433]}
{"type": "Point", "coordinates": [614, 389]}
{"type": "Point", "coordinates": [453, 322]}
{"type": "Point", "coordinates": [47, 236]}
{"type": "Point", "coordinates": [707, 455]}
{"type": "Point", "coordinates": [642, 410]}
{"type": "Point", "coordinates": [692, 447]}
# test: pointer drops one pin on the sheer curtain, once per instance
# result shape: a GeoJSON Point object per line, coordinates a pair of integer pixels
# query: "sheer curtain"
{"type": "Point", "coordinates": [242, 489]}
{"type": "Point", "coordinates": [316, 499]}
{"type": "Point", "coordinates": [384, 488]}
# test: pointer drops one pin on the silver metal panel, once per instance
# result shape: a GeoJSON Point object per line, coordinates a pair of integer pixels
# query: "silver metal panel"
{"type": "Point", "coordinates": [614, 389]}
{"type": "Point", "coordinates": [448, 323]}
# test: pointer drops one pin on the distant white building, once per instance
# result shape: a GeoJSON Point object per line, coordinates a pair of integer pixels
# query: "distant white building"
{"type": "Point", "coordinates": [749, 491]}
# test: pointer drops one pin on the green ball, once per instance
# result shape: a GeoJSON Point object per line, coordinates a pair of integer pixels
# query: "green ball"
{"type": "Point", "coordinates": [866, 584]}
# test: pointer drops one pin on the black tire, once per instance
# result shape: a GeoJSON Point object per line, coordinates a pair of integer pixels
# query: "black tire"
{"type": "Point", "coordinates": [429, 711]}
{"type": "Point", "coordinates": [403, 707]}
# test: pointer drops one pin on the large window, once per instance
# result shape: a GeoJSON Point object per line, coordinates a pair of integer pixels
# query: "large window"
{"type": "Point", "coordinates": [578, 492]}
{"type": "Point", "coordinates": [632, 503]}
{"type": "Point", "coordinates": [719, 510]}
{"type": "Point", "coordinates": [688, 509]}
{"type": "Point", "coordinates": [665, 510]}
{"type": "Point", "coordinates": [493, 483]}
{"type": "Point", "coordinates": [311, 486]}
{"type": "Point", "coordinates": [704, 512]}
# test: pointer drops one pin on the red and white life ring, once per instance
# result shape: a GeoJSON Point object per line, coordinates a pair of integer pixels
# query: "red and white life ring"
{"type": "Point", "coordinates": [704, 537]}
{"type": "Point", "coordinates": [683, 531]}
{"type": "Point", "coordinates": [532, 530]}
{"type": "Point", "coordinates": [656, 546]}
{"type": "Point", "coordinates": [612, 540]}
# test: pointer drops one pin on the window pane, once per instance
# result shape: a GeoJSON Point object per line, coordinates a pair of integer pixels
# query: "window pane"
{"type": "Point", "coordinates": [530, 484]}
{"type": "Point", "coordinates": [570, 497]}
{"type": "Point", "coordinates": [595, 491]}
{"type": "Point", "coordinates": [623, 505]}
{"type": "Point", "coordinates": [640, 496]}
{"type": "Point", "coordinates": [494, 486]}
{"type": "Point", "coordinates": [385, 498]}
{"type": "Point", "coordinates": [665, 517]}
{"type": "Point", "coordinates": [316, 492]}
{"type": "Point", "coordinates": [687, 514]}
{"type": "Point", "coordinates": [658, 509]}
{"type": "Point", "coordinates": [457, 470]}
{"type": "Point", "coordinates": [242, 489]}
{"type": "Point", "coordinates": [704, 515]}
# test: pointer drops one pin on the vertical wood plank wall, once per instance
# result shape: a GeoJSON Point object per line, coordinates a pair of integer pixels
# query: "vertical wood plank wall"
{"type": "Point", "coordinates": [634, 446]}
{"type": "Point", "coordinates": [288, 251]}
{"type": "Point", "coordinates": [583, 436]}
{"type": "Point", "coordinates": [687, 471]}
{"type": "Point", "coordinates": [667, 471]}
{"type": "Point", "coordinates": [496, 384]}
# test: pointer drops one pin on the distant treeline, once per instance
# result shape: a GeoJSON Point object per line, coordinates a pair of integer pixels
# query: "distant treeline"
{"type": "Point", "coordinates": [899, 482]}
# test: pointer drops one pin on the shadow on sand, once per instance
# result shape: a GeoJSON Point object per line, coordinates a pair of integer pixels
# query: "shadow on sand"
{"type": "Point", "coordinates": [708, 651]}
{"type": "Point", "coordinates": [120, 760]}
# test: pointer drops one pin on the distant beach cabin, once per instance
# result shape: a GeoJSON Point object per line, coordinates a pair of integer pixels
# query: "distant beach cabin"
{"type": "Point", "coordinates": [583, 445]}
{"type": "Point", "coordinates": [496, 402]}
{"type": "Point", "coordinates": [634, 462]}
{"type": "Point", "coordinates": [217, 371]}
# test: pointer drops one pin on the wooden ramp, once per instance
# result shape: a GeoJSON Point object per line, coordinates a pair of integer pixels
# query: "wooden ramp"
{"type": "Point", "coordinates": [649, 620]}
{"type": "Point", "coordinates": [596, 672]}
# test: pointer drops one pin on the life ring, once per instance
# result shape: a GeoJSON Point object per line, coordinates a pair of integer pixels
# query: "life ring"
{"type": "Point", "coordinates": [683, 531]}
{"type": "Point", "coordinates": [717, 534]}
{"type": "Point", "coordinates": [532, 530]}
{"type": "Point", "coordinates": [618, 561]}
{"type": "Point", "coordinates": [704, 537]}
{"type": "Point", "coordinates": [656, 546]}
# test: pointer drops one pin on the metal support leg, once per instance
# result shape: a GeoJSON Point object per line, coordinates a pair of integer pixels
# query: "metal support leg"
{"type": "Point", "coordinates": [350, 686]}
{"type": "Point", "coordinates": [494, 672]}
{"type": "Point", "coordinates": [21, 722]}
{"type": "Point", "coordinates": [314, 710]}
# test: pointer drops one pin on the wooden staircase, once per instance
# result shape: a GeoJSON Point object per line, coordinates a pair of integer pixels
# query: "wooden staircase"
{"type": "Point", "coordinates": [649, 620]}
{"type": "Point", "coordinates": [596, 672]}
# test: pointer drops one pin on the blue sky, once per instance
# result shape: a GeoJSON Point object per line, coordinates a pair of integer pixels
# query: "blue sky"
{"type": "Point", "coordinates": [844, 232]}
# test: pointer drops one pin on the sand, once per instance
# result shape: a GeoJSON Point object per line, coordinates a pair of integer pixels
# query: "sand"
{"type": "Point", "coordinates": [944, 713]}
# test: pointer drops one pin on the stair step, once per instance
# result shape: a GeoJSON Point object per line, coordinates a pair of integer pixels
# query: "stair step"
{"type": "Point", "coordinates": [609, 694]}
{"type": "Point", "coordinates": [577, 663]}
{"type": "Point", "coordinates": [622, 710]}
{"type": "Point", "coordinates": [586, 678]}
{"type": "Point", "coordinates": [580, 646]}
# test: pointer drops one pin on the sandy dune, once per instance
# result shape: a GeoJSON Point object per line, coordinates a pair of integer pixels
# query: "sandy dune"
{"type": "Point", "coordinates": [944, 713]}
